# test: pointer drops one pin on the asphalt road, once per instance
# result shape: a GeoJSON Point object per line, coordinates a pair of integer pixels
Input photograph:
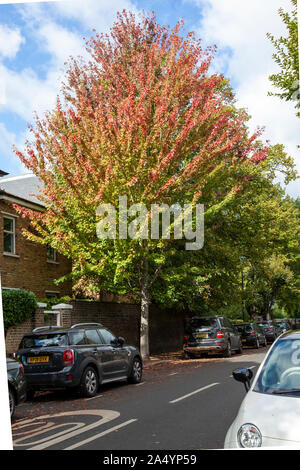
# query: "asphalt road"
{"type": "Point", "coordinates": [180, 405]}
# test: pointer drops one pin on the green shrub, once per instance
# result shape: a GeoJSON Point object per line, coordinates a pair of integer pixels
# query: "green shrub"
{"type": "Point", "coordinates": [18, 306]}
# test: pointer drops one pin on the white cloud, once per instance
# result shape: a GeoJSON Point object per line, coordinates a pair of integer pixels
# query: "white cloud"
{"type": "Point", "coordinates": [26, 93]}
{"type": "Point", "coordinates": [98, 14]}
{"type": "Point", "coordinates": [10, 41]}
{"type": "Point", "coordinates": [7, 140]}
{"type": "Point", "coordinates": [239, 30]}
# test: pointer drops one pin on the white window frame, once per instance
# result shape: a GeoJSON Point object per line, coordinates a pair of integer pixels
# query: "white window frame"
{"type": "Point", "coordinates": [50, 260]}
{"type": "Point", "coordinates": [13, 233]}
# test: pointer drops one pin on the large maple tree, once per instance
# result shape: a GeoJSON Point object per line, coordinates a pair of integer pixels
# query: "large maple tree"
{"type": "Point", "coordinates": [144, 119]}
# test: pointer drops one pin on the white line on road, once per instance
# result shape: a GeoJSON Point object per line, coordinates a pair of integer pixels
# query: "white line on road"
{"type": "Point", "coordinates": [93, 398]}
{"type": "Point", "coordinates": [101, 434]}
{"type": "Point", "coordinates": [174, 373]}
{"type": "Point", "coordinates": [193, 393]}
{"type": "Point", "coordinates": [106, 416]}
{"type": "Point", "coordinates": [141, 383]}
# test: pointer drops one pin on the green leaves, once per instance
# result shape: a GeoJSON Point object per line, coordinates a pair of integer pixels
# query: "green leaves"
{"type": "Point", "coordinates": [18, 306]}
{"type": "Point", "coordinates": [287, 58]}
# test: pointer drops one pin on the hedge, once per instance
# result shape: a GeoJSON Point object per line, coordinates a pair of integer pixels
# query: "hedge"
{"type": "Point", "coordinates": [18, 306]}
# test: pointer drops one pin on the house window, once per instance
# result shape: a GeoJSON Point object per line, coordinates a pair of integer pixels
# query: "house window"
{"type": "Point", "coordinates": [51, 254]}
{"type": "Point", "coordinates": [9, 232]}
{"type": "Point", "coordinates": [51, 294]}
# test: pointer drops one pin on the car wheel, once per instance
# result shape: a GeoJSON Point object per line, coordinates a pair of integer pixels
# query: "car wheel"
{"type": "Point", "coordinates": [12, 402]}
{"type": "Point", "coordinates": [227, 352]}
{"type": "Point", "coordinates": [89, 382]}
{"type": "Point", "coordinates": [136, 371]}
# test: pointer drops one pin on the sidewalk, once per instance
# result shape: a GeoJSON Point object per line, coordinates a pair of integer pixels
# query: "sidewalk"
{"type": "Point", "coordinates": [163, 357]}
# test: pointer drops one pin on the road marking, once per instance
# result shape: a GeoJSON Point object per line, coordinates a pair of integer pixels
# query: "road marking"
{"type": "Point", "coordinates": [101, 434]}
{"type": "Point", "coordinates": [93, 398]}
{"type": "Point", "coordinates": [141, 383]}
{"type": "Point", "coordinates": [105, 415]}
{"type": "Point", "coordinates": [174, 373]}
{"type": "Point", "coordinates": [193, 393]}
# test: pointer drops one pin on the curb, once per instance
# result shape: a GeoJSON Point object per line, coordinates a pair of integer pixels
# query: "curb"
{"type": "Point", "coordinates": [150, 363]}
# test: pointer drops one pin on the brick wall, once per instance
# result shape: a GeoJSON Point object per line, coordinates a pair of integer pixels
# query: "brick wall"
{"type": "Point", "coordinates": [15, 333]}
{"type": "Point", "coordinates": [166, 326]}
{"type": "Point", "coordinates": [30, 269]}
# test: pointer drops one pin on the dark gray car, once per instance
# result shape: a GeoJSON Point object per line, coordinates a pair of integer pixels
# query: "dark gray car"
{"type": "Point", "coordinates": [16, 383]}
{"type": "Point", "coordinates": [82, 357]}
{"type": "Point", "coordinates": [211, 335]}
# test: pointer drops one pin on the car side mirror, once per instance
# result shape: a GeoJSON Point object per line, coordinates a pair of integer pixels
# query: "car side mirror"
{"type": "Point", "coordinates": [121, 341]}
{"type": "Point", "coordinates": [243, 375]}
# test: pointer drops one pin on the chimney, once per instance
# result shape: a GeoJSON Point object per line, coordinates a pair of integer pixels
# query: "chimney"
{"type": "Point", "coordinates": [3, 173]}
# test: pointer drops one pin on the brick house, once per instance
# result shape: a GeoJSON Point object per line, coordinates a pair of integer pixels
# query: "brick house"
{"type": "Point", "coordinates": [25, 264]}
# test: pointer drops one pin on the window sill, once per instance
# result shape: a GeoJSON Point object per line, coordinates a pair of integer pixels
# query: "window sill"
{"type": "Point", "coordinates": [52, 262]}
{"type": "Point", "coordinates": [10, 254]}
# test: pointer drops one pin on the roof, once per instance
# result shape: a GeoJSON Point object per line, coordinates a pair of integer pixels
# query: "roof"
{"type": "Point", "coordinates": [22, 187]}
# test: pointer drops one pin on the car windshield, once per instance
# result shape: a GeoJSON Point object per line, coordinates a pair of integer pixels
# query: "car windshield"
{"type": "Point", "coordinates": [281, 372]}
{"type": "Point", "coordinates": [40, 341]}
{"type": "Point", "coordinates": [203, 323]}
{"type": "Point", "coordinates": [265, 325]}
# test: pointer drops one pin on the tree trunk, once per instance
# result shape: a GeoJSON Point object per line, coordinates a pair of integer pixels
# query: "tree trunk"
{"type": "Point", "coordinates": [145, 303]}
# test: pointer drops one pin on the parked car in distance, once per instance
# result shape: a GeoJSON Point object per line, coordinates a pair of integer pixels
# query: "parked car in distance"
{"type": "Point", "coordinates": [271, 330]}
{"type": "Point", "coordinates": [211, 335]}
{"type": "Point", "coordinates": [81, 357]}
{"type": "Point", "coordinates": [283, 325]}
{"type": "Point", "coordinates": [16, 383]}
{"type": "Point", "coordinates": [252, 334]}
{"type": "Point", "coordinates": [269, 413]}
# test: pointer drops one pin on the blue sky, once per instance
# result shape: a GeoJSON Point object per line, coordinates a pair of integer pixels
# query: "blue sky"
{"type": "Point", "coordinates": [36, 39]}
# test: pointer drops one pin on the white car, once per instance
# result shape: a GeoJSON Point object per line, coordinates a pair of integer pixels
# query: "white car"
{"type": "Point", "coordinates": [269, 415]}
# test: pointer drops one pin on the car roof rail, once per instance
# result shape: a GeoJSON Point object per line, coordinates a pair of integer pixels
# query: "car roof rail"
{"type": "Point", "coordinates": [82, 325]}
{"type": "Point", "coordinates": [50, 327]}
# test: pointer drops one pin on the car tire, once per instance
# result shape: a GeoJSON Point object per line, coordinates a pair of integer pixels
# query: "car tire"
{"type": "Point", "coordinates": [89, 383]}
{"type": "Point", "coordinates": [136, 373]}
{"type": "Point", "coordinates": [227, 352]}
{"type": "Point", "coordinates": [12, 402]}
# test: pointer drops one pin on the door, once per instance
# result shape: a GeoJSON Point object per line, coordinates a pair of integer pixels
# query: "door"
{"type": "Point", "coordinates": [103, 353]}
{"type": "Point", "coordinates": [120, 354]}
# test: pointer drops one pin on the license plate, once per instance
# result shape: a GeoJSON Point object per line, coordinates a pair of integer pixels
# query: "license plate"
{"type": "Point", "coordinates": [202, 335]}
{"type": "Point", "coordinates": [36, 360]}
{"type": "Point", "coordinates": [244, 340]}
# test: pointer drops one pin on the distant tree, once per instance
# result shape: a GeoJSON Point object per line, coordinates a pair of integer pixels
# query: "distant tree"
{"type": "Point", "coordinates": [287, 57]}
